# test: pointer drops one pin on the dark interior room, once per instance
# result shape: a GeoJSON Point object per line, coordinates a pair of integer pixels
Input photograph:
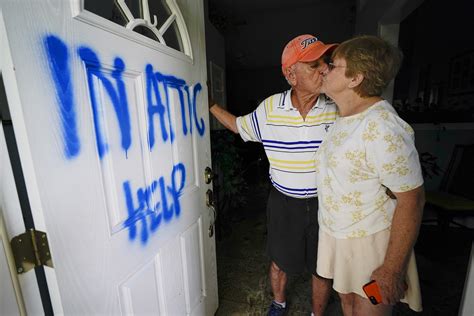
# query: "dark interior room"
{"type": "Point", "coordinates": [433, 92]}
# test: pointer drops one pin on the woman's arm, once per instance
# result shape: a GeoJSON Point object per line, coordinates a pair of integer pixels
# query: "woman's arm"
{"type": "Point", "coordinates": [403, 234]}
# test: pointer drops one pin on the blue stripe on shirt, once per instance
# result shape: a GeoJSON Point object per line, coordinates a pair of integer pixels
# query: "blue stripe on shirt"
{"type": "Point", "coordinates": [258, 126]}
{"type": "Point", "coordinates": [305, 194]}
{"type": "Point", "coordinates": [311, 150]}
{"type": "Point", "coordinates": [292, 143]}
{"type": "Point", "coordinates": [293, 190]}
{"type": "Point", "coordinates": [283, 98]}
{"type": "Point", "coordinates": [283, 147]}
{"type": "Point", "coordinates": [254, 126]}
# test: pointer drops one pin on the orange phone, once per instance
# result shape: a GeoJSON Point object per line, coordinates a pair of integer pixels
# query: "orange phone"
{"type": "Point", "coordinates": [372, 291]}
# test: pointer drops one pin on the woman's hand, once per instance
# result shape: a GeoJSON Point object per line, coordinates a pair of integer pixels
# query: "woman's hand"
{"type": "Point", "coordinates": [391, 283]}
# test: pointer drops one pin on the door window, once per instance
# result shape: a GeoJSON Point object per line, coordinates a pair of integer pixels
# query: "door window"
{"type": "Point", "coordinates": [156, 19]}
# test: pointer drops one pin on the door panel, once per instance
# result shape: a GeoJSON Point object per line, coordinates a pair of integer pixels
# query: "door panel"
{"type": "Point", "coordinates": [113, 137]}
{"type": "Point", "coordinates": [140, 294]}
{"type": "Point", "coordinates": [193, 274]}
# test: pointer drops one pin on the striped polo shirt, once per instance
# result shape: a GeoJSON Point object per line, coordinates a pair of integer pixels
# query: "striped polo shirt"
{"type": "Point", "coordinates": [290, 141]}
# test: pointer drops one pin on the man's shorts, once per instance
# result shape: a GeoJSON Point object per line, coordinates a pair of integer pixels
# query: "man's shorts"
{"type": "Point", "coordinates": [292, 232]}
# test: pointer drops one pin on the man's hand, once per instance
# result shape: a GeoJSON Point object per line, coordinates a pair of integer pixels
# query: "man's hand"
{"type": "Point", "coordinates": [392, 284]}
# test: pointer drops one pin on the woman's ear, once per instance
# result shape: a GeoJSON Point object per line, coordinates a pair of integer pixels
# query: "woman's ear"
{"type": "Point", "coordinates": [356, 80]}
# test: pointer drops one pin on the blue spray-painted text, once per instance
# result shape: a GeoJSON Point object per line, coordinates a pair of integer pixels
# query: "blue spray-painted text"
{"type": "Point", "coordinates": [158, 89]}
{"type": "Point", "coordinates": [150, 212]}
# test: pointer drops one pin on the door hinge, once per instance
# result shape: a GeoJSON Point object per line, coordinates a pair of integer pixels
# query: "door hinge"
{"type": "Point", "coordinates": [30, 250]}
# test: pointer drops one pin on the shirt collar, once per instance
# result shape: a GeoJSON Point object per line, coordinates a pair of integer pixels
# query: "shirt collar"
{"type": "Point", "coordinates": [288, 105]}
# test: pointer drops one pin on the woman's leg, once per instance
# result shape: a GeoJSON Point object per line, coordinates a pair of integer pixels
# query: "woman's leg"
{"type": "Point", "coordinates": [347, 301]}
{"type": "Point", "coordinates": [355, 305]}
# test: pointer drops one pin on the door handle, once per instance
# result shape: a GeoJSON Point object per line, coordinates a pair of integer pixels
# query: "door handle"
{"type": "Point", "coordinates": [209, 198]}
{"type": "Point", "coordinates": [212, 210]}
{"type": "Point", "coordinates": [213, 220]}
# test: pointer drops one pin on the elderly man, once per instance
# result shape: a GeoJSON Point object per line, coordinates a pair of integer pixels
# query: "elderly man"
{"type": "Point", "coordinates": [291, 126]}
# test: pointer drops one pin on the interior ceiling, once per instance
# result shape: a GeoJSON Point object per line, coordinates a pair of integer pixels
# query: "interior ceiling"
{"type": "Point", "coordinates": [227, 13]}
{"type": "Point", "coordinates": [234, 19]}
{"type": "Point", "coordinates": [249, 6]}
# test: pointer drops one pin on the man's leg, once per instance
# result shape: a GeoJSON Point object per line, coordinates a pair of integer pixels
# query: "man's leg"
{"type": "Point", "coordinates": [278, 281]}
{"type": "Point", "coordinates": [286, 220]}
{"type": "Point", "coordinates": [321, 287]}
{"type": "Point", "coordinates": [320, 296]}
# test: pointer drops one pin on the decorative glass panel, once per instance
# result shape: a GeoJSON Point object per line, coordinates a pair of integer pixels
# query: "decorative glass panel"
{"type": "Point", "coordinates": [161, 10]}
{"type": "Point", "coordinates": [159, 20]}
{"type": "Point", "coordinates": [143, 30]}
{"type": "Point", "coordinates": [172, 39]}
{"type": "Point", "coordinates": [135, 7]}
{"type": "Point", "coordinates": [106, 9]}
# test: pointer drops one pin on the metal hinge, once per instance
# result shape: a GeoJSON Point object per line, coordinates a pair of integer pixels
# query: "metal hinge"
{"type": "Point", "coordinates": [30, 250]}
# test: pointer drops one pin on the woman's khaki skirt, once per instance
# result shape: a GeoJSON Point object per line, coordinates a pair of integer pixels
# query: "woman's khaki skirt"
{"type": "Point", "coordinates": [350, 263]}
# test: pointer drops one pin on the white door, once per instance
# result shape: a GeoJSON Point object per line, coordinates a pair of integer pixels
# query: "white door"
{"type": "Point", "coordinates": [108, 104]}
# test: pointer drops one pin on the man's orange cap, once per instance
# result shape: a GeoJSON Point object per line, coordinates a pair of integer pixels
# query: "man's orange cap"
{"type": "Point", "coordinates": [303, 48]}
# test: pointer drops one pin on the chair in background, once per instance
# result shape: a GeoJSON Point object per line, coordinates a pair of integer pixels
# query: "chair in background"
{"type": "Point", "coordinates": [455, 198]}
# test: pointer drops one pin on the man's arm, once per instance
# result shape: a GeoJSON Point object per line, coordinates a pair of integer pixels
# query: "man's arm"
{"type": "Point", "coordinates": [225, 118]}
{"type": "Point", "coordinates": [403, 234]}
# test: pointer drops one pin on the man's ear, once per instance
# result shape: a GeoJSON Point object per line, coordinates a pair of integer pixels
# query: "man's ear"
{"type": "Point", "coordinates": [290, 75]}
{"type": "Point", "coordinates": [356, 80]}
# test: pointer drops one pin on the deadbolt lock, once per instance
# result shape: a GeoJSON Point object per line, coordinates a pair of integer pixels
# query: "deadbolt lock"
{"type": "Point", "coordinates": [208, 175]}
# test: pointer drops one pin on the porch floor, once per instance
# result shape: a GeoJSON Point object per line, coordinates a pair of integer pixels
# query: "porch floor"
{"type": "Point", "coordinates": [242, 265]}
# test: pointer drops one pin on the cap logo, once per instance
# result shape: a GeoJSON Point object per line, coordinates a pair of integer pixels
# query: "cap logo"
{"type": "Point", "coordinates": [305, 43]}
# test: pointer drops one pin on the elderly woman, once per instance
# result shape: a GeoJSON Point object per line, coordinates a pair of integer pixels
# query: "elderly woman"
{"type": "Point", "coordinates": [366, 232]}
